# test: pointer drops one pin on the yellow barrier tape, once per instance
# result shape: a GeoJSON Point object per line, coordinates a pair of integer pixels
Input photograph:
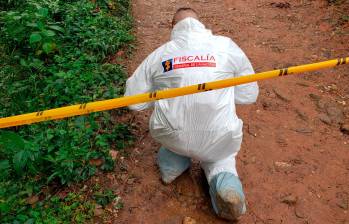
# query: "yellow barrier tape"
{"type": "Point", "coordinates": [103, 105]}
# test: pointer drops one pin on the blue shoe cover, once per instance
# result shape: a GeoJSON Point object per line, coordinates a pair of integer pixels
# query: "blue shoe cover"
{"type": "Point", "coordinates": [171, 164]}
{"type": "Point", "coordinates": [227, 196]}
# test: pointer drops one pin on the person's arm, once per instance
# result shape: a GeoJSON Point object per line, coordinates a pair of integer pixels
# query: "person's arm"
{"type": "Point", "coordinates": [245, 93]}
{"type": "Point", "coordinates": [140, 82]}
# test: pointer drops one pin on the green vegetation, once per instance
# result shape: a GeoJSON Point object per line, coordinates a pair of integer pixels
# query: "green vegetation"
{"type": "Point", "coordinates": [54, 53]}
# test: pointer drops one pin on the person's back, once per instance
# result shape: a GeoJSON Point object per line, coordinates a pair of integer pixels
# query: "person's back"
{"type": "Point", "coordinates": [202, 126]}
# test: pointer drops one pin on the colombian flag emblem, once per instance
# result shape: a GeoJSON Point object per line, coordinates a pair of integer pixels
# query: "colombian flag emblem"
{"type": "Point", "coordinates": [167, 65]}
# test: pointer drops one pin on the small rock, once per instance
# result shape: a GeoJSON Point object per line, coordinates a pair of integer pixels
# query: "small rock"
{"type": "Point", "coordinates": [114, 154]}
{"type": "Point", "coordinates": [315, 97]}
{"type": "Point", "coordinates": [253, 159]}
{"type": "Point", "coordinates": [324, 118]}
{"type": "Point", "coordinates": [303, 130]}
{"type": "Point", "coordinates": [270, 105]}
{"type": "Point", "coordinates": [96, 162]}
{"type": "Point", "coordinates": [131, 181]}
{"type": "Point", "coordinates": [281, 5]}
{"type": "Point", "coordinates": [298, 211]}
{"type": "Point", "coordinates": [98, 211]}
{"type": "Point", "coordinates": [282, 165]}
{"type": "Point", "coordinates": [302, 115]}
{"type": "Point", "coordinates": [334, 112]}
{"type": "Point", "coordinates": [252, 130]}
{"type": "Point", "coordinates": [281, 141]}
{"type": "Point", "coordinates": [120, 53]}
{"type": "Point", "coordinates": [345, 128]}
{"type": "Point", "coordinates": [281, 95]}
{"type": "Point", "coordinates": [343, 200]}
{"type": "Point", "coordinates": [123, 177]}
{"type": "Point", "coordinates": [320, 104]}
{"type": "Point", "coordinates": [189, 220]}
{"type": "Point", "coordinates": [32, 200]}
{"type": "Point", "coordinates": [289, 199]}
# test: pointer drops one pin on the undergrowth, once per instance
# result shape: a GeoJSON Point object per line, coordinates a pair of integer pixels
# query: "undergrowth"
{"type": "Point", "coordinates": [53, 53]}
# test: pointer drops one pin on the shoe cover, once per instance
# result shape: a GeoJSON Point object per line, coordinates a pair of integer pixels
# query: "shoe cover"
{"type": "Point", "coordinates": [171, 164]}
{"type": "Point", "coordinates": [227, 196]}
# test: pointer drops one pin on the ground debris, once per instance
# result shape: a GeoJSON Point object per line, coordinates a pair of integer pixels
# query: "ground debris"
{"type": "Point", "coordinates": [32, 200]}
{"type": "Point", "coordinates": [281, 95]}
{"type": "Point", "coordinates": [335, 112]}
{"type": "Point", "coordinates": [303, 130]}
{"type": "Point", "coordinates": [302, 115]}
{"type": "Point", "coordinates": [252, 130]}
{"type": "Point", "coordinates": [326, 119]}
{"type": "Point", "coordinates": [114, 154]}
{"type": "Point", "coordinates": [314, 97]}
{"type": "Point", "coordinates": [96, 162]}
{"type": "Point", "coordinates": [343, 200]}
{"type": "Point", "coordinates": [281, 5]}
{"type": "Point", "coordinates": [282, 165]}
{"type": "Point", "coordinates": [281, 141]}
{"type": "Point", "coordinates": [289, 199]}
{"type": "Point", "coordinates": [345, 128]}
{"type": "Point", "coordinates": [98, 211]}
{"type": "Point", "coordinates": [299, 212]}
{"type": "Point", "coordinates": [189, 220]}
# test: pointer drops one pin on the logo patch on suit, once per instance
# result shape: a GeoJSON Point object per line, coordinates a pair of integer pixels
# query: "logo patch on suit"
{"type": "Point", "coordinates": [189, 61]}
{"type": "Point", "coordinates": [167, 65]}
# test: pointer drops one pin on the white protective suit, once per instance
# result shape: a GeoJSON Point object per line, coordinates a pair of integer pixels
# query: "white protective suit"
{"type": "Point", "coordinates": [202, 126]}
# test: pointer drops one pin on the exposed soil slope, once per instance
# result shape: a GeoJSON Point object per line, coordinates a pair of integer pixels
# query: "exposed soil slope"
{"type": "Point", "coordinates": [294, 161]}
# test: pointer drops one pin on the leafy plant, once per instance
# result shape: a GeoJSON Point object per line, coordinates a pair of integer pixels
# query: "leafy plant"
{"type": "Point", "coordinates": [104, 198]}
{"type": "Point", "coordinates": [54, 53]}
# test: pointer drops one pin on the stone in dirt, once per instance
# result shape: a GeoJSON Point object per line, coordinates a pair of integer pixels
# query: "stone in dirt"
{"type": "Point", "coordinates": [182, 184]}
{"type": "Point", "coordinates": [299, 211]}
{"type": "Point", "coordinates": [281, 95]}
{"type": "Point", "coordinates": [189, 220]}
{"type": "Point", "coordinates": [315, 97]}
{"type": "Point", "coordinates": [252, 130]}
{"type": "Point", "coordinates": [281, 5]}
{"type": "Point", "coordinates": [32, 200]}
{"type": "Point", "coordinates": [96, 162]}
{"type": "Point", "coordinates": [114, 154]}
{"type": "Point", "coordinates": [289, 199]}
{"type": "Point", "coordinates": [303, 130]}
{"type": "Point", "coordinates": [98, 211]}
{"type": "Point", "coordinates": [335, 112]}
{"type": "Point", "coordinates": [270, 105]}
{"type": "Point", "coordinates": [342, 200]}
{"type": "Point", "coordinates": [324, 118]}
{"type": "Point", "coordinates": [302, 115]}
{"type": "Point", "coordinates": [345, 128]}
{"type": "Point", "coordinates": [320, 104]}
{"type": "Point", "coordinates": [281, 141]}
{"type": "Point", "coordinates": [282, 165]}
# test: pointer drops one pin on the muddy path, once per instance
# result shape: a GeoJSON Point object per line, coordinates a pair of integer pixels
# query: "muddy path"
{"type": "Point", "coordinates": [294, 161]}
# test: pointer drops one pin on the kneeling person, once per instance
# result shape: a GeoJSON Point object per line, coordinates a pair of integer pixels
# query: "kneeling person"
{"type": "Point", "coordinates": [201, 126]}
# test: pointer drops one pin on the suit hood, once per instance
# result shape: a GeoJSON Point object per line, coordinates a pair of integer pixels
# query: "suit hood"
{"type": "Point", "coordinates": [189, 28]}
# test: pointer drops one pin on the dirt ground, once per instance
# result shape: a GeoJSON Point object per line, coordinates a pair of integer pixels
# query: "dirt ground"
{"type": "Point", "coordinates": [294, 160]}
